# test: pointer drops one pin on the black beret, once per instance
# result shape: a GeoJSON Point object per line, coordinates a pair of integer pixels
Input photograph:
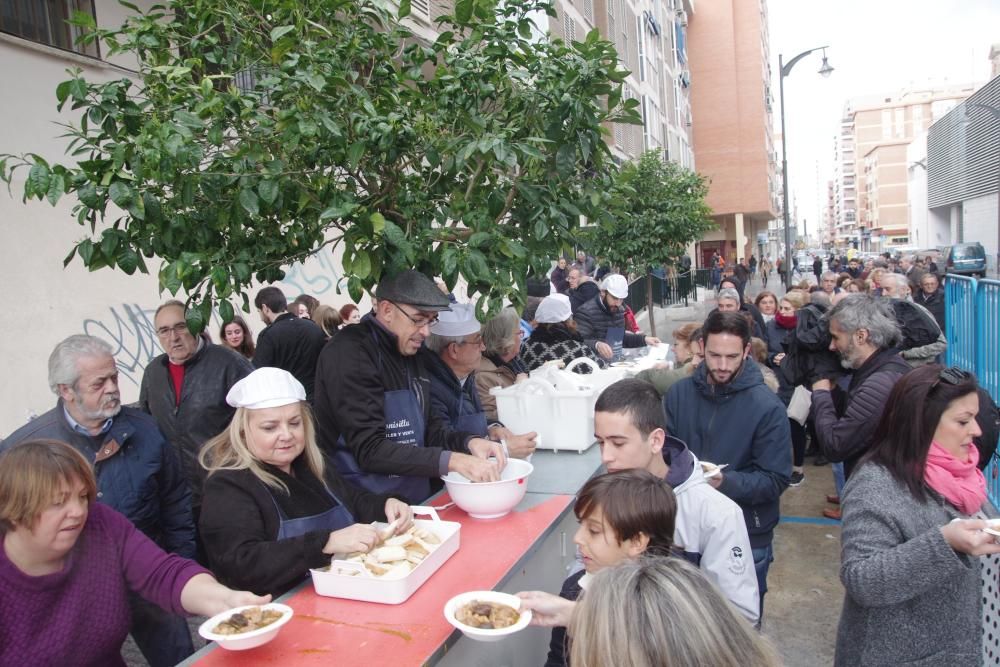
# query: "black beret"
{"type": "Point", "coordinates": [414, 289]}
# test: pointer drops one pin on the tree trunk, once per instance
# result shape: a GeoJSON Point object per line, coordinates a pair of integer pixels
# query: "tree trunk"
{"type": "Point", "coordinates": [649, 303]}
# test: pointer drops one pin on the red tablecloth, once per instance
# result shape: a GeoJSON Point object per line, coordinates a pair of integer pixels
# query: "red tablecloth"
{"type": "Point", "coordinates": [327, 631]}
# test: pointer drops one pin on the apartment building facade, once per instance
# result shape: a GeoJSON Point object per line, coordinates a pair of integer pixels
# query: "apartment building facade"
{"type": "Point", "coordinates": [732, 102]}
{"type": "Point", "coordinates": [651, 40]}
{"type": "Point", "coordinates": [872, 172]}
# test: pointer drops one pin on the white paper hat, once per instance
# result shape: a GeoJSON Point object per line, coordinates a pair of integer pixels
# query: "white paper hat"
{"type": "Point", "coordinates": [616, 285]}
{"type": "Point", "coordinates": [553, 309]}
{"type": "Point", "coordinates": [266, 388]}
{"type": "Point", "coordinates": [459, 321]}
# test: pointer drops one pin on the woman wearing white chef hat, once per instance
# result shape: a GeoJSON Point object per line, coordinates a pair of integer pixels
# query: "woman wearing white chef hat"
{"type": "Point", "coordinates": [274, 507]}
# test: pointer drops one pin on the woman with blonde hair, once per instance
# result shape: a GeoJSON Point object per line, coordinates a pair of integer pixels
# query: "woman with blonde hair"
{"type": "Point", "coordinates": [328, 319]}
{"type": "Point", "coordinates": [661, 612]}
{"type": "Point", "coordinates": [273, 506]}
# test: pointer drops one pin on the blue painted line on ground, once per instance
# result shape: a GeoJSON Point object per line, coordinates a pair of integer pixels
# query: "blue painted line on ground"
{"type": "Point", "coordinates": [809, 519]}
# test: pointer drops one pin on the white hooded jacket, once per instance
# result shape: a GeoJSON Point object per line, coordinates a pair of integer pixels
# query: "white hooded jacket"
{"type": "Point", "coordinates": [711, 531]}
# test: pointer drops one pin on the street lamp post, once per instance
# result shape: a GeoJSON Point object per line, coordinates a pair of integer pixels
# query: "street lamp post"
{"type": "Point", "coordinates": [995, 111]}
{"type": "Point", "coordinates": [784, 70]}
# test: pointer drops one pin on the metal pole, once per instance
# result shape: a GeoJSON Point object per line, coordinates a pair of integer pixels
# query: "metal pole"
{"type": "Point", "coordinates": [784, 177]}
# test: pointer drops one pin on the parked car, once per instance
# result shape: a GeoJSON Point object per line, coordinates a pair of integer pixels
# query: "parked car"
{"type": "Point", "coordinates": [966, 259]}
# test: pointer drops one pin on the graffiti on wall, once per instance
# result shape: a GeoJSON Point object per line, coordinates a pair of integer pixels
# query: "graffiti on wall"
{"type": "Point", "coordinates": [129, 329]}
{"type": "Point", "coordinates": [317, 275]}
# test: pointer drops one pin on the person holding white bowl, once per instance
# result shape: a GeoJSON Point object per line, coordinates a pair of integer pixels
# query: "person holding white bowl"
{"type": "Point", "coordinates": [68, 563]}
{"type": "Point", "coordinates": [274, 506]}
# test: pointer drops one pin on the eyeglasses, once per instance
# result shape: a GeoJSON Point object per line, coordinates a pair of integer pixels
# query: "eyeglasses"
{"type": "Point", "coordinates": [953, 376]}
{"type": "Point", "coordinates": [477, 342]}
{"type": "Point", "coordinates": [179, 329]}
{"type": "Point", "coordinates": [421, 322]}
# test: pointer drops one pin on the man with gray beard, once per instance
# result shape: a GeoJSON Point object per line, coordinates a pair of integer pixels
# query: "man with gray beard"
{"type": "Point", "coordinates": [138, 472]}
{"type": "Point", "coordinates": [864, 333]}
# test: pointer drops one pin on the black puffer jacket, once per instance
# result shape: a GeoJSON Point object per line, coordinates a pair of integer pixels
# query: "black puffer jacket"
{"type": "Point", "coordinates": [202, 413]}
{"type": "Point", "coordinates": [808, 356]}
{"type": "Point", "coordinates": [593, 320]}
{"type": "Point", "coordinates": [845, 434]}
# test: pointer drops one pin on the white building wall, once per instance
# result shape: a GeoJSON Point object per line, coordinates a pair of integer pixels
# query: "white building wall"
{"type": "Point", "coordinates": [49, 302]}
{"type": "Point", "coordinates": [979, 221]}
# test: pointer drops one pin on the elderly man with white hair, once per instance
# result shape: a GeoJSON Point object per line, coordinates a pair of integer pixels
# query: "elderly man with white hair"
{"type": "Point", "coordinates": [451, 355]}
{"type": "Point", "coordinates": [601, 321]}
{"type": "Point", "coordinates": [138, 472]}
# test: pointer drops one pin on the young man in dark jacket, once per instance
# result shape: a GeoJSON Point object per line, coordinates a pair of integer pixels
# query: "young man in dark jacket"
{"type": "Point", "coordinates": [598, 319]}
{"type": "Point", "coordinates": [864, 332]}
{"type": "Point", "coordinates": [727, 415]}
{"type": "Point", "coordinates": [138, 473]}
{"type": "Point", "coordinates": [287, 342]}
{"type": "Point", "coordinates": [373, 405]}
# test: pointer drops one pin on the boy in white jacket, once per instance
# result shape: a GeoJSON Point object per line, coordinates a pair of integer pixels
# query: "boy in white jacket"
{"type": "Point", "coordinates": [630, 426]}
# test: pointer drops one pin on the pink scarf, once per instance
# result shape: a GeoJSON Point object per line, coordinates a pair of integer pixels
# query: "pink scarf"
{"type": "Point", "coordinates": [960, 482]}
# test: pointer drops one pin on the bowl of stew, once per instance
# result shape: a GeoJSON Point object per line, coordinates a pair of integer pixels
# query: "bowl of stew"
{"type": "Point", "coordinates": [246, 627]}
{"type": "Point", "coordinates": [486, 616]}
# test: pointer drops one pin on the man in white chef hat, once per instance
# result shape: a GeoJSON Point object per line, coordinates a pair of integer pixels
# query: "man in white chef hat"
{"type": "Point", "coordinates": [451, 357]}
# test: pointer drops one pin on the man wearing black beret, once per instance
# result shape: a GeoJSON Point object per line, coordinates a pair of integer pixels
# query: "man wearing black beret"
{"type": "Point", "coordinates": [372, 399]}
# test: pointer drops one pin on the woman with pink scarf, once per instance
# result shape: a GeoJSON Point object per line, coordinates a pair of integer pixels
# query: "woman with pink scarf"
{"type": "Point", "coordinates": [922, 577]}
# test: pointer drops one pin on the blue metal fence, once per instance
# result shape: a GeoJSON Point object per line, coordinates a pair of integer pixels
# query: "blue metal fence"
{"type": "Point", "coordinates": [988, 336]}
{"type": "Point", "coordinates": [960, 321]}
{"type": "Point", "coordinates": [972, 320]}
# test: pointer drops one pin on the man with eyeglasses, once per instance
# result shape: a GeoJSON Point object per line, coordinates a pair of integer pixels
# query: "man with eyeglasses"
{"type": "Point", "coordinates": [451, 355]}
{"type": "Point", "coordinates": [185, 390]}
{"type": "Point", "coordinates": [373, 399]}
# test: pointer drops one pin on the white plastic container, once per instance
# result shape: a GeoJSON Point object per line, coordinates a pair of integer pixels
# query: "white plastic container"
{"type": "Point", "coordinates": [564, 418]}
{"type": "Point", "coordinates": [490, 500]}
{"type": "Point", "coordinates": [393, 591]}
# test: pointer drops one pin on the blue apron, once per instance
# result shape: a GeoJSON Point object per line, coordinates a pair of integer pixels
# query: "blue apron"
{"type": "Point", "coordinates": [404, 425]}
{"type": "Point", "coordinates": [616, 339]}
{"type": "Point", "coordinates": [333, 519]}
{"type": "Point", "coordinates": [472, 422]}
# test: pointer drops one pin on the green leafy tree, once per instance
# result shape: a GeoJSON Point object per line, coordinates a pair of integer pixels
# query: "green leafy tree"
{"type": "Point", "coordinates": [259, 132]}
{"type": "Point", "coordinates": [657, 209]}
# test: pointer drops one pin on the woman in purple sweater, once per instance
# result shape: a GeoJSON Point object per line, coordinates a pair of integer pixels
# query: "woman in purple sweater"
{"type": "Point", "coordinates": [67, 564]}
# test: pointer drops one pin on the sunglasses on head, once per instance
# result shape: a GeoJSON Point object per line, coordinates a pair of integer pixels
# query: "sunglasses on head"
{"type": "Point", "coordinates": [952, 375]}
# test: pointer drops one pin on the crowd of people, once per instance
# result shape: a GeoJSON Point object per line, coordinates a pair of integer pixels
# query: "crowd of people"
{"type": "Point", "coordinates": [246, 463]}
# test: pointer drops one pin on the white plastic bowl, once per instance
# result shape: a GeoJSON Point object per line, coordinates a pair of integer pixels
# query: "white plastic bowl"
{"type": "Point", "coordinates": [490, 500]}
{"type": "Point", "coordinates": [480, 634]}
{"type": "Point", "coordinates": [245, 640]}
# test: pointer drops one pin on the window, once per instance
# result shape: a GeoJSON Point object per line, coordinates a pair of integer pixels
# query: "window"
{"type": "Point", "coordinates": [44, 21]}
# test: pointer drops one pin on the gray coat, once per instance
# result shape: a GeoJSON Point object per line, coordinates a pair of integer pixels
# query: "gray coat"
{"type": "Point", "coordinates": [911, 599]}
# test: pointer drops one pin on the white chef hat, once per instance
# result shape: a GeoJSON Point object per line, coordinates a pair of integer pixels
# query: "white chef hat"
{"type": "Point", "coordinates": [616, 284]}
{"type": "Point", "coordinates": [266, 388]}
{"type": "Point", "coordinates": [553, 309]}
{"type": "Point", "coordinates": [459, 321]}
